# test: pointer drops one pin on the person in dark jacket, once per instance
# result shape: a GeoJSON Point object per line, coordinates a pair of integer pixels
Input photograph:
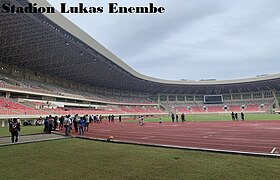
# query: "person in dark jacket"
{"type": "Point", "coordinates": [232, 116]}
{"type": "Point", "coordinates": [46, 124]}
{"type": "Point", "coordinates": [51, 124]}
{"type": "Point", "coordinates": [183, 117]}
{"type": "Point", "coordinates": [236, 116]}
{"type": "Point", "coordinates": [172, 117]}
{"type": "Point", "coordinates": [242, 116]}
{"type": "Point", "coordinates": [14, 128]}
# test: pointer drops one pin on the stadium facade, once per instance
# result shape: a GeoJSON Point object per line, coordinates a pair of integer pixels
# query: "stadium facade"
{"type": "Point", "coordinates": [38, 51]}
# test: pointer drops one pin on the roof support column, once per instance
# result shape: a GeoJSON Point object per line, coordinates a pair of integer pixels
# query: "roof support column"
{"type": "Point", "coordinates": [3, 123]}
{"type": "Point", "coordinates": [276, 99]}
{"type": "Point", "coordinates": [277, 103]}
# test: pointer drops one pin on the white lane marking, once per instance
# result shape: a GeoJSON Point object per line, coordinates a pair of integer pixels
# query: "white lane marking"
{"type": "Point", "coordinates": [147, 137]}
{"type": "Point", "coordinates": [273, 150]}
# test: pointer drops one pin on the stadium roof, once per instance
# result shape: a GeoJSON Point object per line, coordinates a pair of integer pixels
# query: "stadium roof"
{"type": "Point", "coordinates": [51, 44]}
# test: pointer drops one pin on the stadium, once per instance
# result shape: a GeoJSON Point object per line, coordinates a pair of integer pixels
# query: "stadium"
{"type": "Point", "coordinates": [49, 66]}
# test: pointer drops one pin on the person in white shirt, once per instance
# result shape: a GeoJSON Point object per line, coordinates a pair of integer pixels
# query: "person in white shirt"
{"type": "Point", "coordinates": [67, 123]}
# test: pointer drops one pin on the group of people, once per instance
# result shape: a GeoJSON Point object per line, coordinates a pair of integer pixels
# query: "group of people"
{"type": "Point", "coordinates": [111, 118]}
{"type": "Point", "coordinates": [80, 124]}
{"type": "Point", "coordinates": [234, 116]}
{"type": "Point", "coordinates": [51, 124]}
{"type": "Point", "coordinates": [77, 123]}
{"type": "Point", "coordinates": [176, 117]}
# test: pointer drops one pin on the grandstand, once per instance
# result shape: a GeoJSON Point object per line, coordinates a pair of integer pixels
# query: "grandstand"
{"type": "Point", "coordinates": [252, 106]}
{"type": "Point", "coordinates": [48, 65]}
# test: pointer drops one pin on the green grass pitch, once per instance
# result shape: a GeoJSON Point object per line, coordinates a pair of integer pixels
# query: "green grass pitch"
{"type": "Point", "coordinates": [85, 159]}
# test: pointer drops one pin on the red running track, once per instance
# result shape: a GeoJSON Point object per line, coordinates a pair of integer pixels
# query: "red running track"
{"type": "Point", "coordinates": [241, 136]}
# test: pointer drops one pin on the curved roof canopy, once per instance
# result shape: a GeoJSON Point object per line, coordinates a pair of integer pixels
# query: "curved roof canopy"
{"type": "Point", "coordinates": [51, 44]}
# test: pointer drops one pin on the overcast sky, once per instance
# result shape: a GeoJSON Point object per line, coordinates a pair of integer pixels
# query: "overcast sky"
{"type": "Point", "coordinates": [193, 39]}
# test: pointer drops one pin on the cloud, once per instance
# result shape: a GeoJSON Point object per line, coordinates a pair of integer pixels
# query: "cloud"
{"type": "Point", "coordinates": [193, 39]}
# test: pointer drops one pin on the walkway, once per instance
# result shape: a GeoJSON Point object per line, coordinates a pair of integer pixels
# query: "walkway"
{"type": "Point", "coordinates": [5, 141]}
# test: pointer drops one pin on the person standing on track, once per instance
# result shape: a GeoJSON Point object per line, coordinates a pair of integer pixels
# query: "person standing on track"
{"type": "Point", "coordinates": [172, 117]}
{"type": "Point", "coordinates": [46, 124]}
{"type": "Point", "coordinates": [232, 116]}
{"type": "Point", "coordinates": [87, 119]}
{"type": "Point", "coordinates": [67, 123]}
{"type": "Point", "coordinates": [141, 120]}
{"type": "Point", "coordinates": [14, 128]}
{"type": "Point", "coordinates": [236, 116]}
{"type": "Point", "coordinates": [61, 119]}
{"type": "Point", "coordinates": [51, 122]}
{"type": "Point", "coordinates": [242, 116]}
{"type": "Point", "coordinates": [109, 118]}
{"type": "Point", "coordinates": [75, 122]}
{"type": "Point", "coordinates": [112, 118]}
{"type": "Point", "coordinates": [100, 118]}
{"type": "Point", "coordinates": [81, 125]}
{"type": "Point", "coordinates": [183, 117]}
{"type": "Point", "coordinates": [160, 121]}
